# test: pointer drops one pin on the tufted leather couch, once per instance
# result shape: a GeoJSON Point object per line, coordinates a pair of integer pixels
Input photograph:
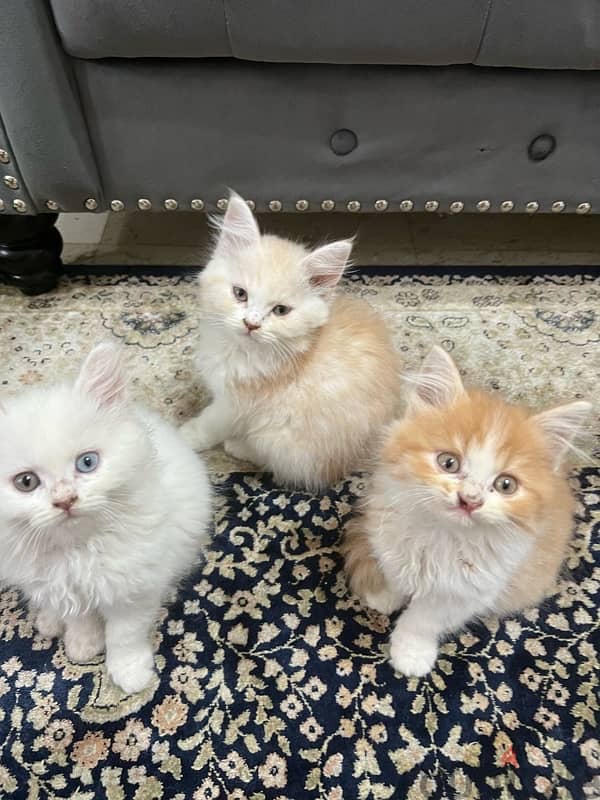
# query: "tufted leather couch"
{"type": "Point", "coordinates": [361, 105]}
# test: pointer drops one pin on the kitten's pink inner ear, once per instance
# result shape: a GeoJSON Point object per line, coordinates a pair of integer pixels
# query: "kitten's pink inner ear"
{"type": "Point", "coordinates": [562, 424]}
{"type": "Point", "coordinates": [325, 265]}
{"type": "Point", "coordinates": [102, 375]}
{"type": "Point", "coordinates": [438, 383]}
{"type": "Point", "coordinates": [238, 228]}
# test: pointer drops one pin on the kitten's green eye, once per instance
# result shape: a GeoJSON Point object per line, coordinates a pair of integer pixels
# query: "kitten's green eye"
{"type": "Point", "coordinates": [281, 310]}
{"type": "Point", "coordinates": [241, 295]}
{"type": "Point", "coordinates": [87, 462]}
{"type": "Point", "coordinates": [506, 484]}
{"type": "Point", "coordinates": [449, 462]}
{"type": "Point", "coordinates": [26, 481]}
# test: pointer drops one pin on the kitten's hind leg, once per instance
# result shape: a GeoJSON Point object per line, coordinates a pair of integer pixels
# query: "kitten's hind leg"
{"type": "Point", "coordinates": [84, 637]}
{"type": "Point", "coordinates": [364, 573]}
{"type": "Point", "coordinates": [211, 427]}
{"type": "Point", "coordinates": [48, 623]}
{"type": "Point", "coordinates": [238, 448]}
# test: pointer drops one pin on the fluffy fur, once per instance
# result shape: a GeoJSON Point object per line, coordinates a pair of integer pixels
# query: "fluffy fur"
{"type": "Point", "coordinates": [305, 393]}
{"type": "Point", "coordinates": [96, 552]}
{"type": "Point", "coordinates": [450, 545]}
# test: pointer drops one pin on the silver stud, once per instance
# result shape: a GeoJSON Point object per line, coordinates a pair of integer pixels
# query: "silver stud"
{"type": "Point", "coordinates": [484, 205]}
{"type": "Point", "coordinates": [532, 207]}
{"type": "Point", "coordinates": [558, 206]}
{"type": "Point", "coordinates": [353, 205]}
{"type": "Point", "coordinates": [20, 206]}
{"type": "Point", "coordinates": [1, 205]}
{"type": "Point", "coordinates": [4, 157]}
{"type": "Point", "coordinates": [197, 204]}
{"type": "Point", "coordinates": [328, 205]}
{"type": "Point", "coordinates": [91, 204]}
{"type": "Point", "coordinates": [406, 205]}
{"type": "Point", "coordinates": [222, 204]}
{"type": "Point", "coordinates": [380, 205]}
{"type": "Point", "coordinates": [117, 205]}
{"type": "Point", "coordinates": [251, 204]}
{"type": "Point", "coordinates": [170, 204]}
{"type": "Point", "coordinates": [52, 205]}
{"type": "Point", "coordinates": [432, 205]}
{"type": "Point", "coordinates": [144, 204]}
{"type": "Point", "coordinates": [11, 182]}
{"type": "Point", "coordinates": [275, 205]}
{"type": "Point", "coordinates": [506, 206]}
{"type": "Point", "coordinates": [302, 205]}
{"type": "Point", "coordinates": [584, 208]}
{"type": "Point", "coordinates": [456, 207]}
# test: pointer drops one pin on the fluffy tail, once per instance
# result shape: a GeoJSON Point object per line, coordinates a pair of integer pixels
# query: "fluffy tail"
{"type": "Point", "coordinates": [363, 572]}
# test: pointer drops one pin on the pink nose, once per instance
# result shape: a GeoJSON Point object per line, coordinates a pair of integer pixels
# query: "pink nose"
{"type": "Point", "coordinates": [468, 504]}
{"type": "Point", "coordinates": [251, 326]}
{"type": "Point", "coordinates": [66, 503]}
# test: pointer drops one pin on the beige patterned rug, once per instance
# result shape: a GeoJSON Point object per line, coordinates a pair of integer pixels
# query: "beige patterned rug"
{"type": "Point", "coordinates": [272, 681]}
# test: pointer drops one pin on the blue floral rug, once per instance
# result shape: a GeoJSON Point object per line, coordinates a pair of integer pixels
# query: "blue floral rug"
{"type": "Point", "coordinates": [273, 682]}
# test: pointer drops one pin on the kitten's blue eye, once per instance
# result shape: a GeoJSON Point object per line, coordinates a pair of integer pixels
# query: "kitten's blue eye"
{"type": "Point", "coordinates": [240, 294]}
{"type": "Point", "coordinates": [87, 462]}
{"type": "Point", "coordinates": [26, 481]}
{"type": "Point", "coordinates": [281, 310]}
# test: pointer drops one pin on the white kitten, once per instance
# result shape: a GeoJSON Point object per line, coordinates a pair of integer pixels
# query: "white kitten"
{"type": "Point", "coordinates": [302, 378]}
{"type": "Point", "coordinates": [103, 507]}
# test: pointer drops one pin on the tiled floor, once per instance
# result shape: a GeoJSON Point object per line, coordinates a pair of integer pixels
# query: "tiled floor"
{"type": "Point", "coordinates": [405, 240]}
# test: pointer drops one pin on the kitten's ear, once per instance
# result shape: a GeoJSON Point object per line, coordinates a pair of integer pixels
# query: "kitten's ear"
{"type": "Point", "coordinates": [438, 382]}
{"type": "Point", "coordinates": [238, 227]}
{"type": "Point", "coordinates": [102, 376]}
{"type": "Point", "coordinates": [562, 424]}
{"type": "Point", "coordinates": [326, 264]}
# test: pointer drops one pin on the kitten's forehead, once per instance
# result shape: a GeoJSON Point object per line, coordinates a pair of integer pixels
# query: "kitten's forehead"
{"type": "Point", "coordinates": [485, 456]}
{"type": "Point", "coordinates": [44, 426]}
{"type": "Point", "coordinates": [272, 263]}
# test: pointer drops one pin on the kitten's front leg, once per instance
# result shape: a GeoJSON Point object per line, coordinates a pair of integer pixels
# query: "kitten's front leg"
{"type": "Point", "coordinates": [414, 640]}
{"type": "Point", "coordinates": [211, 427]}
{"type": "Point", "coordinates": [129, 657]}
{"type": "Point", "coordinates": [49, 624]}
{"type": "Point", "coordinates": [240, 449]}
{"type": "Point", "coordinates": [84, 637]}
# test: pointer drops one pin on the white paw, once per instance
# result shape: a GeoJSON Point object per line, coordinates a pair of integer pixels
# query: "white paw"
{"type": "Point", "coordinates": [132, 671]}
{"type": "Point", "coordinates": [49, 624]}
{"type": "Point", "coordinates": [84, 642]}
{"type": "Point", "coordinates": [412, 655]}
{"type": "Point", "coordinates": [237, 448]}
{"type": "Point", "coordinates": [193, 433]}
{"type": "Point", "coordinates": [385, 602]}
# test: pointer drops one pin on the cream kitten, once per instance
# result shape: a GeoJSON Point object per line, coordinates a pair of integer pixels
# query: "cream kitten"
{"type": "Point", "coordinates": [103, 507]}
{"type": "Point", "coordinates": [469, 512]}
{"type": "Point", "coordinates": [302, 379]}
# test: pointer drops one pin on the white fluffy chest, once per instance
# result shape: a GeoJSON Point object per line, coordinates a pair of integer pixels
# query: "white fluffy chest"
{"type": "Point", "coordinates": [78, 578]}
{"type": "Point", "coordinates": [421, 555]}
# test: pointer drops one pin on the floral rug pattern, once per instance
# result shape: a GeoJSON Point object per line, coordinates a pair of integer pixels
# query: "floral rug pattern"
{"type": "Point", "coordinates": [272, 681]}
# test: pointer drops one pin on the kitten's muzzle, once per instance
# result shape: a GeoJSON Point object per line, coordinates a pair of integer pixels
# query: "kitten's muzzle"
{"type": "Point", "coordinates": [251, 326]}
{"type": "Point", "coordinates": [65, 503]}
{"type": "Point", "coordinates": [469, 503]}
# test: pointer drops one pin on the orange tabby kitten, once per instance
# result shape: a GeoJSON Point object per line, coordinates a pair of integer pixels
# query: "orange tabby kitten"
{"type": "Point", "coordinates": [469, 512]}
{"type": "Point", "coordinates": [302, 378]}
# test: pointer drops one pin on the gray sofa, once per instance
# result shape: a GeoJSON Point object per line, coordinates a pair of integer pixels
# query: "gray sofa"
{"type": "Point", "coordinates": [458, 106]}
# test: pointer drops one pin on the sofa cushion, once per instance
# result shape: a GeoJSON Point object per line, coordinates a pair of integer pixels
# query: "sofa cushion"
{"type": "Point", "coordinates": [538, 33]}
